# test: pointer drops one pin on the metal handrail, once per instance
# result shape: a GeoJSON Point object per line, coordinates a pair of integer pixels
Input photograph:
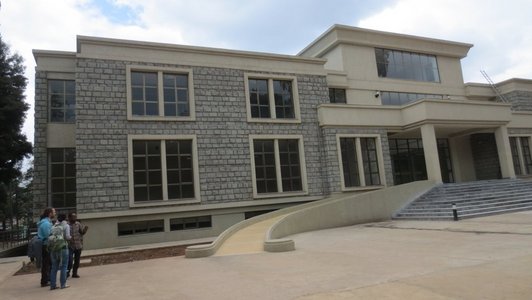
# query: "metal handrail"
{"type": "Point", "coordinates": [13, 238]}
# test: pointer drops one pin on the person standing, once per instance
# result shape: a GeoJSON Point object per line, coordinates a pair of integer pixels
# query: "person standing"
{"type": "Point", "coordinates": [77, 231]}
{"type": "Point", "coordinates": [44, 228]}
{"type": "Point", "coordinates": [58, 248]}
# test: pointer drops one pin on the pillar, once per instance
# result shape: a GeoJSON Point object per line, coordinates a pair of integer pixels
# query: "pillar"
{"type": "Point", "coordinates": [430, 149]}
{"type": "Point", "coordinates": [505, 152]}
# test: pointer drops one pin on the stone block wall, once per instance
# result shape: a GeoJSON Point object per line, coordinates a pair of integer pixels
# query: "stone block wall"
{"type": "Point", "coordinates": [221, 129]}
{"type": "Point", "coordinates": [40, 169]}
{"type": "Point", "coordinates": [521, 100]}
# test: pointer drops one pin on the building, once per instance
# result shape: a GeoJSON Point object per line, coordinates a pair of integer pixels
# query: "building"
{"type": "Point", "coordinates": [153, 142]}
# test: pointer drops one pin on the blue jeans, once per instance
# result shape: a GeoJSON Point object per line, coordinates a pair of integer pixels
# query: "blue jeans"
{"type": "Point", "coordinates": [59, 263]}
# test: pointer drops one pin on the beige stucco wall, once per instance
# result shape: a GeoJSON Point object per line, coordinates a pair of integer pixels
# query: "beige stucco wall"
{"type": "Point", "coordinates": [60, 135]}
{"type": "Point", "coordinates": [462, 158]}
{"type": "Point", "coordinates": [103, 233]}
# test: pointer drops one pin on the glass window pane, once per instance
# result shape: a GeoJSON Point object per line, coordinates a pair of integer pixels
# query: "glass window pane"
{"type": "Point", "coordinates": [57, 100]}
{"type": "Point", "coordinates": [137, 78]}
{"type": "Point", "coordinates": [138, 108]}
{"type": "Point", "coordinates": [156, 193]}
{"type": "Point", "coordinates": [70, 170]}
{"type": "Point", "coordinates": [141, 193]}
{"type": "Point", "coordinates": [173, 177]}
{"type": "Point", "coordinates": [58, 185]}
{"type": "Point", "coordinates": [57, 115]}
{"type": "Point", "coordinates": [150, 79]}
{"type": "Point", "coordinates": [185, 147]}
{"type": "Point", "coordinates": [152, 109]}
{"type": "Point", "coordinates": [70, 185]}
{"type": "Point", "coordinates": [170, 109]}
{"type": "Point", "coordinates": [172, 162]}
{"type": "Point", "coordinates": [182, 109]}
{"type": "Point", "coordinates": [169, 95]}
{"type": "Point", "coordinates": [182, 95]}
{"type": "Point", "coordinates": [169, 81]}
{"type": "Point", "coordinates": [57, 170]}
{"type": "Point", "coordinates": [173, 192]}
{"type": "Point", "coordinates": [56, 86]}
{"type": "Point", "coordinates": [182, 81]}
{"type": "Point", "coordinates": [188, 190]}
{"type": "Point", "coordinates": [151, 94]}
{"type": "Point", "coordinates": [406, 65]}
{"type": "Point", "coordinates": [139, 178]}
{"type": "Point", "coordinates": [154, 178]}
{"type": "Point", "coordinates": [154, 162]}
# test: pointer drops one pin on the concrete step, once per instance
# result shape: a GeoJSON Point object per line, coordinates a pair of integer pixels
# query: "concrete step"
{"type": "Point", "coordinates": [463, 204]}
{"type": "Point", "coordinates": [472, 199]}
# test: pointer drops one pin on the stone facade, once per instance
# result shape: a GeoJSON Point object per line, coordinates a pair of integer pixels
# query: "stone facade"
{"type": "Point", "coordinates": [521, 100]}
{"type": "Point", "coordinates": [40, 168]}
{"type": "Point", "coordinates": [221, 129]}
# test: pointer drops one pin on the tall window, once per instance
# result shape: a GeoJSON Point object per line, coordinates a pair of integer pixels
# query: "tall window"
{"type": "Point", "coordinates": [144, 94]}
{"type": "Point", "coordinates": [521, 155]}
{"type": "Point", "coordinates": [62, 99]}
{"type": "Point", "coordinates": [147, 170]}
{"type": "Point", "coordinates": [176, 95]}
{"type": "Point", "coordinates": [360, 161]}
{"type": "Point", "coordinates": [277, 166]}
{"type": "Point", "coordinates": [406, 65]}
{"type": "Point", "coordinates": [165, 94]}
{"type": "Point", "coordinates": [62, 166]}
{"type": "Point", "coordinates": [396, 98]}
{"type": "Point", "coordinates": [337, 95]}
{"type": "Point", "coordinates": [259, 98]}
{"type": "Point", "coordinates": [272, 99]}
{"type": "Point", "coordinates": [163, 170]}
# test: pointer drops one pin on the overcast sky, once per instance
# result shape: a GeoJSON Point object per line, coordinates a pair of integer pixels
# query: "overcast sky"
{"type": "Point", "coordinates": [500, 30]}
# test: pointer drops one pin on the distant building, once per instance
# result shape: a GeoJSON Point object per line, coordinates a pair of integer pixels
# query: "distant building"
{"type": "Point", "coordinates": [153, 142]}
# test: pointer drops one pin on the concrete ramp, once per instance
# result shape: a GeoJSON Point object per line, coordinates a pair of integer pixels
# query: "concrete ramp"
{"type": "Point", "coordinates": [267, 232]}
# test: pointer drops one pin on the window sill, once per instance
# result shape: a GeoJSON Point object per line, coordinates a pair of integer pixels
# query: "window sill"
{"type": "Point", "coordinates": [276, 121]}
{"type": "Point", "coordinates": [163, 203]}
{"type": "Point", "coordinates": [161, 118]}
{"type": "Point", "coordinates": [363, 188]}
{"type": "Point", "coordinates": [279, 195]}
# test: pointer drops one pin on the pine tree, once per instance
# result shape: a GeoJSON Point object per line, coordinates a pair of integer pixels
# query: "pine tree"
{"type": "Point", "coordinates": [14, 146]}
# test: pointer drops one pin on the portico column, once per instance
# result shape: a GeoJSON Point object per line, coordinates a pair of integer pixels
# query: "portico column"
{"type": "Point", "coordinates": [505, 152]}
{"type": "Point", "coordinates": [430, 149]}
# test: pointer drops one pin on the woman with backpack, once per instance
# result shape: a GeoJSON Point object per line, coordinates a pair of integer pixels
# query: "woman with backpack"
{"type": "Point", "coordinates": [58, 248]}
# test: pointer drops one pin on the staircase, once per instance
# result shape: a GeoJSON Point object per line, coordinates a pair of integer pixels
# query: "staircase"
{"type": "Point", "coordinates": [472, 199]}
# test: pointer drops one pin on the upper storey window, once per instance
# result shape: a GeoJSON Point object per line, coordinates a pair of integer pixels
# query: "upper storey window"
{"type": "Point", "coordinates": [406, 65]}
{"type": "Point", "coordinates": [272, 99]}
{"type": "Point", "coordinates": [62, 99]}
{"type": "Point", "coordinates": [160, 94]}
{"type": "Point", "coordinates": [337, 95]}
{"type": "Point", "coordinates": [398, 98]}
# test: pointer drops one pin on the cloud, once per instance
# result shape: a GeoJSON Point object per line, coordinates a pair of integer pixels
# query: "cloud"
{"type": "Point", "coordinates": [499, 31]}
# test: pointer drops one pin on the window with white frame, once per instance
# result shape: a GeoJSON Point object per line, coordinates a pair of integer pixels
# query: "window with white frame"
{"type": "Point", "coordinates": [163, 169]}
{"type": "Point", "coordinates": [360, 161]}
{"type": "Point", "coordinates": [521, 156]}
{"type": "Point", "coordinates": [272, 99]}
{"type": "Point", "coordinates": [278, 165]}
{"type": "Point", "coordinates": [62, 166]}
{"type": "Point", "coordinates": [161, 94]}
{"type": "Point", "coordinates": [62, 100]}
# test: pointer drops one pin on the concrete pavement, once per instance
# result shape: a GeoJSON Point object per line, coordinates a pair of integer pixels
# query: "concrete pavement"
{"type": "Point", "coordinates": [484, 258]}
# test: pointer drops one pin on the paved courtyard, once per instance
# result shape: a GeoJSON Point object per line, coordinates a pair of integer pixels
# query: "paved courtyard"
{"type": "Point", "coordinates": [484, 258]}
